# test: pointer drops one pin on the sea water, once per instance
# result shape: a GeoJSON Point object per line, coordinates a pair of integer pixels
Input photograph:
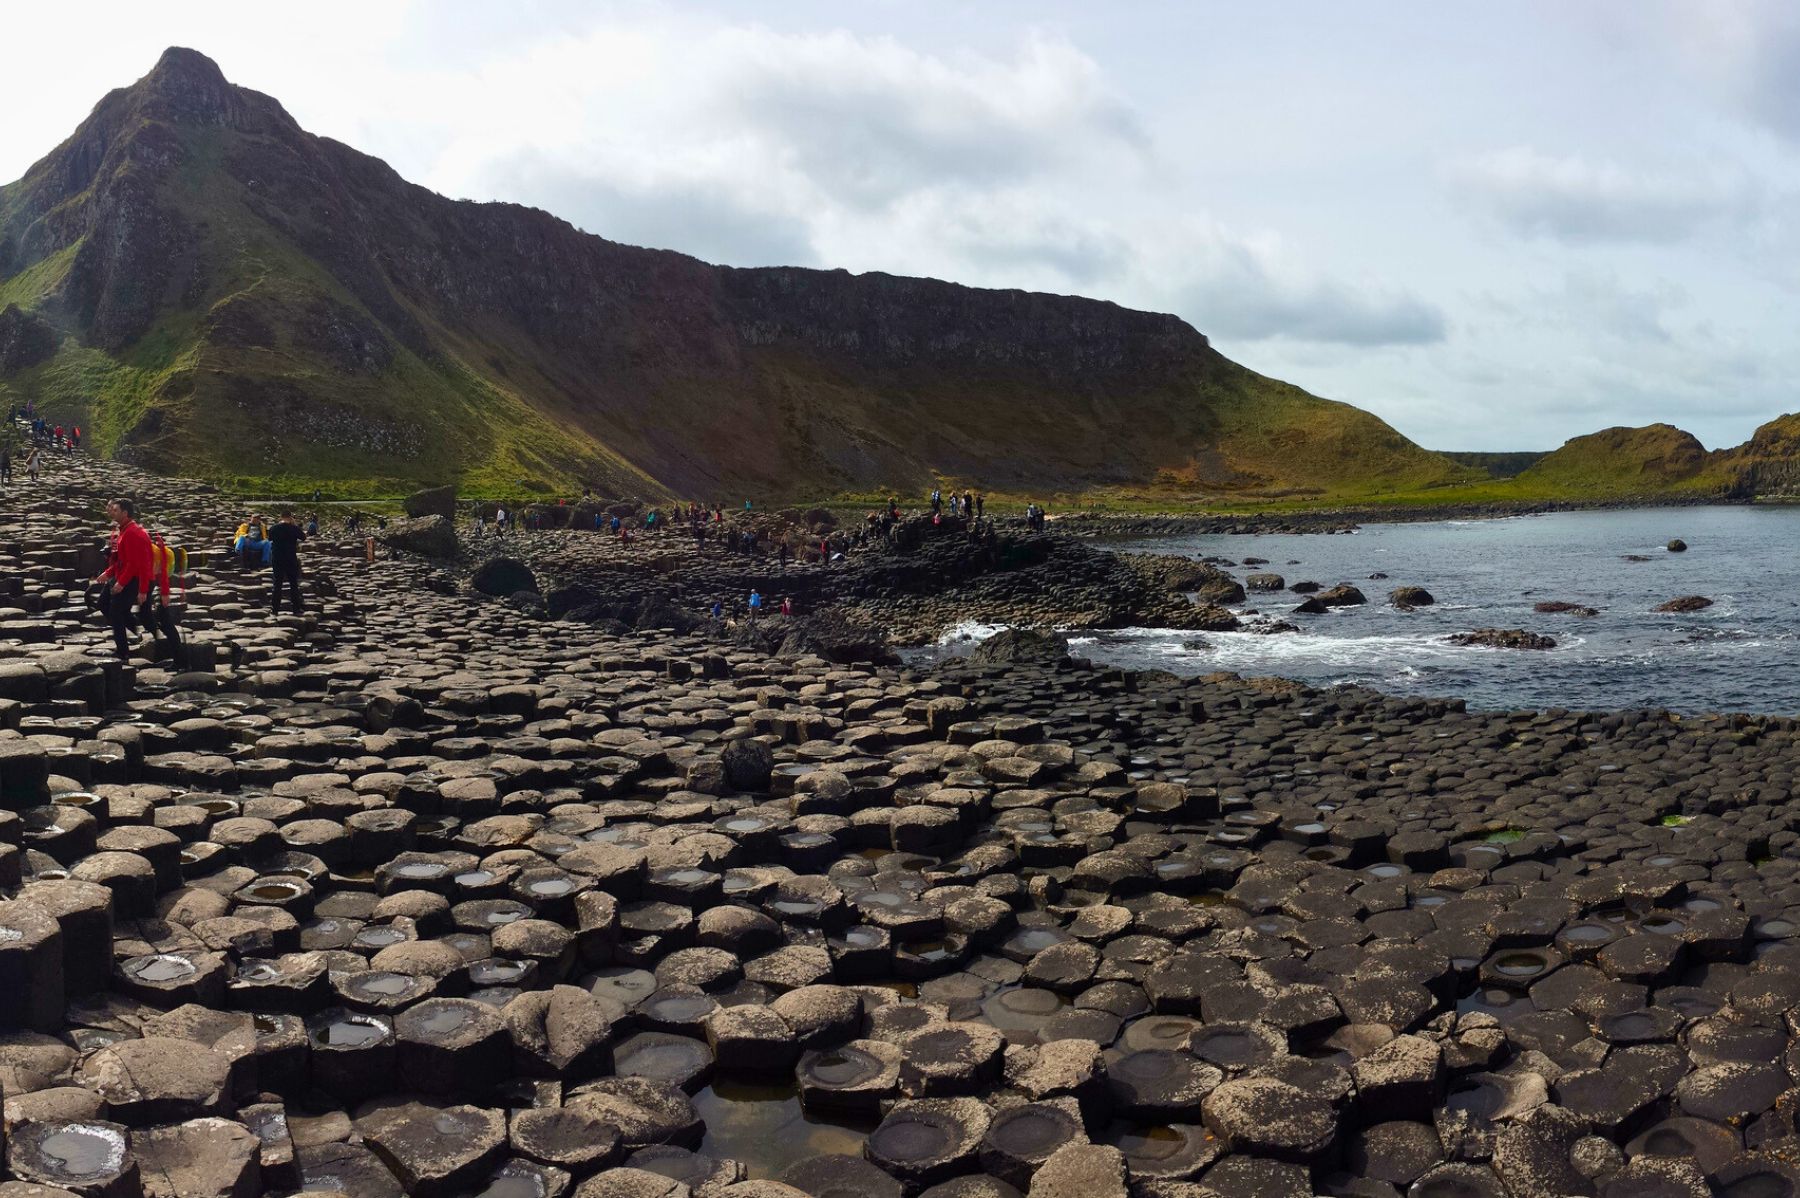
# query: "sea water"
{"type": "Point", "coordinates": [1741, 654]}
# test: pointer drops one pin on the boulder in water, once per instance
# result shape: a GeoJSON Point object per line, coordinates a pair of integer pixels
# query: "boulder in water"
{"type": "Point", "coordinates": [1677, 546]}
{"type": "Point", "coordinates": [1265, 582]}
{"type": "Point", "coordinates": [1503, 638]}
{"type": "Point", "coordinates": [1407, 598]}
{"type": "Point", "coordinates": [1210, 617]}
{"type": "Point", "coordinates": [1341, 595]}
{"type": "Point", "coordinates": [1021, 645]}
{"type": "Point", "coordinates": [1686, 603]}
{"type": "Point", "coordinates": [1555, 607]}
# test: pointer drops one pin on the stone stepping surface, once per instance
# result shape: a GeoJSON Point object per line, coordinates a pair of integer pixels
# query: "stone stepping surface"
{"type": "Point", "coordinates": [420, 893]}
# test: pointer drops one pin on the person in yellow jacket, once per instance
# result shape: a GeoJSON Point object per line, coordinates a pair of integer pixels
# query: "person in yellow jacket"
{"type": "Point", "coordinates": [158, 615]}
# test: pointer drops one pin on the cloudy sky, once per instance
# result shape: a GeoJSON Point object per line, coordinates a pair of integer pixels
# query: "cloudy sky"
{"type": "Point", "coordinates": [1498, 226]}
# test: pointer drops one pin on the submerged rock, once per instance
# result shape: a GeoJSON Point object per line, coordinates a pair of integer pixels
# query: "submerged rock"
{"type": "Point", "coordinates": [1503, 638]}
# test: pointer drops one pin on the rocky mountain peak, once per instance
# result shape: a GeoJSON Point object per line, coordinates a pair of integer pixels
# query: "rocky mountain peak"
{"type": "Point", "coordinates": [187, 87]}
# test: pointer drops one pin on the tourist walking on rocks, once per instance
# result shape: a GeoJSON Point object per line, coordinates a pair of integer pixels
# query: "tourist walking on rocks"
{"type": "Point", "coordinates": [284, 561]}
{"type": "Point", "coordinates": [156, 615]}
{"type": "Point", "coordinates": [31, 460]}
{"type": "Point", "coordinates": [128, 573]}
{"type": "Point", "coordinates": [5, 463]}
{"type": "Point", "coordinates": [783, 552]}
{"type": "Point", "coordinates": [756, 604]}
{"type": "Point", "coordinates": [787, 605]}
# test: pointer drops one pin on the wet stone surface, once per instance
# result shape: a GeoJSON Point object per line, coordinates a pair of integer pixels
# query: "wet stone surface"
{"type": "Point", "coordinates": [421, 892]}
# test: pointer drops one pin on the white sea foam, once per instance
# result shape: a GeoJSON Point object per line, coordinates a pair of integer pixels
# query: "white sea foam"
{"type": "Point", "coordinates": [969, 632]}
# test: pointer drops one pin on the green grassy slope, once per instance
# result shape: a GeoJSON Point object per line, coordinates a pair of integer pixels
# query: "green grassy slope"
{"type": "Point", "coordinates": [232, 387]}
{"type": "Point", "coordinates": [1627, 463]}
{"type": "Point", "coordinates": [1276, 434]}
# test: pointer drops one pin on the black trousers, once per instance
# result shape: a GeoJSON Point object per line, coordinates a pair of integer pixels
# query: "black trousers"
{"type": "Point", "coordinates": [121, 614]}
{"type": "Point", "coordinates": [288, 572]}
{"type": "Point", "coordinates": [159, 620]}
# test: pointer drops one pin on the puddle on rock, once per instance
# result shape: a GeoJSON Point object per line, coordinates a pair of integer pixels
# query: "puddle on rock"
{"type": "Point", "coordinates": [766, 1129]}
{"type": "Point", "coordinates": [83, 1152]}
{"type": "Point", "coordinates": [164, 967]}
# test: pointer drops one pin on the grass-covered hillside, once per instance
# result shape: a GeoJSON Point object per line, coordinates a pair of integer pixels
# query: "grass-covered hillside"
{"type": "Point", "coordinates": [211, 290]}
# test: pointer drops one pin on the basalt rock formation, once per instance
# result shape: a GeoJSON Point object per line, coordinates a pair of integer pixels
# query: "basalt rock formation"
{"type": "Point", "coordinates": [233, 296]}
{"type": "Point", "coordinates": [418, 894]}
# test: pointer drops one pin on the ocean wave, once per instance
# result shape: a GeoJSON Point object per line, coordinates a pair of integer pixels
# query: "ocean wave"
{"type": "Point", "coordinates": [969, 632]}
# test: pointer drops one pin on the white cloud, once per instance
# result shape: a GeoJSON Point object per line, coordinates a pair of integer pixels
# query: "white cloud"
{"type": "Point", "coordinates": [750, 147]}
{"type": "Point", "coordinates": [1258, 287]}
{"type": "Point", "coordinates": [1575, 199]}
{"type": "Point", "coordinates": [1602, 301]}
{"type": "Point", "coordinates": [1747, 50]}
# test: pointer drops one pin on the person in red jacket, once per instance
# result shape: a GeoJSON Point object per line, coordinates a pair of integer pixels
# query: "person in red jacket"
{"type": "Point", "coordinates": [129, 573]}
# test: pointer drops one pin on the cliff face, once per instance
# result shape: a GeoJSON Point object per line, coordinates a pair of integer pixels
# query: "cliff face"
{"type": "Point", "coordinates": [230, 295]}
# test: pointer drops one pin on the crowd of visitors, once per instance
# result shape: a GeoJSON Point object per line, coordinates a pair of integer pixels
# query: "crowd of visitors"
{"type": "Point", "coordinates": [144, 579]}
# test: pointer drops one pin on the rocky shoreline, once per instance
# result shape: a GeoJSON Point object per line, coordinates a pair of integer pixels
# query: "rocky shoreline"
{"type": "Point", "coordinates": [432, 892]}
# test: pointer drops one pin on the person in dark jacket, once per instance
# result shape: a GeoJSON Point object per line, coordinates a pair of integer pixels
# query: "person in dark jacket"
{"type": "Point", "coordinates": [284, 561]}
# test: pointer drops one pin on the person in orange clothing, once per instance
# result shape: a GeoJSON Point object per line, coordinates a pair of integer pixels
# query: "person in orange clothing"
{"type": "Point", "coordinates": [129, 572]}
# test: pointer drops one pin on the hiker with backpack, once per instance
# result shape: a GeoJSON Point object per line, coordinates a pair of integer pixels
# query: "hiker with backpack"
{"type": "Point", "coordinates": [155, 614]}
